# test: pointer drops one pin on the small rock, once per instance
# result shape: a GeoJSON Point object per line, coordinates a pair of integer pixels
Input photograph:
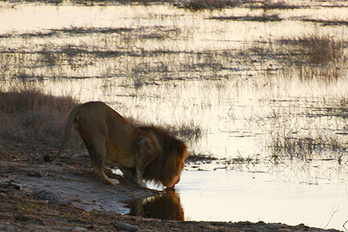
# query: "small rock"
{"type": "Point", "coordinates": [4, 154]}
{"type": "Point", "coordinates": [9, 184]}
{"type": "Point", "coordinates": [38, 221]}
{"type": "Point", "coordinates": [34, 174]}
{"type": "Point", "coordinates": [20, 217]}
{"type": "Point", "coordinates": [45, 195]}
{"type": "Point", "coordinates": [78, 229]}
{"type": "Point", "coordinates": [125, 226]}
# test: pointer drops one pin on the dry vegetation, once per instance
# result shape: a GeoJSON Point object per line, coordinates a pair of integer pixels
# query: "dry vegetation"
{"type": "Point", "coordinates": [316, 49]}
{"type": "Point", "coordinates": [311, 56]}
{"type": "Point", "coordinates": [27, 115]}
{"type": "Point", "coordinates": [197, 5]}
{"type": "Point", "coordinates": [312, 128]}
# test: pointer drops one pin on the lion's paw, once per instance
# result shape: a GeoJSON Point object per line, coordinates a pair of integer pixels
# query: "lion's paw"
{"type": "Point", "coordinates": [141, 184]}
{"type": "Point", "coordinates": [114, 182]}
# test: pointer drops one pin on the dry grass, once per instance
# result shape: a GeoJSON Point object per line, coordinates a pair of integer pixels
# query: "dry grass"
{"type": "Point", "coordinates": [321, 49]}
{"type": "Point", "coordinates": [28, 115]}
{"type": "Point", "coordinates": [273, 5]}
{"type": "Point", "coordinates": [262, 18]}
{"type": "Point", "coordinates": [319, 56]}
{"type": "Point", "coordinates": [322, 146]}
{"type": "Point", "coordinates": [187, 132]}
{"type": "Point", "coordinates": [197, 5]}
{"type": "Point", "coordinates": [314, 56]}
{"type": "Point", "coordinates": [327, 22]}
{"type": "Point", "coordinates": [315, 50]}
{"type": "Point", "coordinates": [309, 132]}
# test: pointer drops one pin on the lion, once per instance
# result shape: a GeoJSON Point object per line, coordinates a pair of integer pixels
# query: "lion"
{"type": "Point", "coordinates": [141, 153]}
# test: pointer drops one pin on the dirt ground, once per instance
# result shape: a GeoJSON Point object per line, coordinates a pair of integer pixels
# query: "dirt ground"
{"type": "Point", "coordinates": [67, 196]}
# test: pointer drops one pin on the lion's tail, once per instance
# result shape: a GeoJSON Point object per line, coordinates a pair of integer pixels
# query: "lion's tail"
{"type": "Point", "coordinates": [70, 122]}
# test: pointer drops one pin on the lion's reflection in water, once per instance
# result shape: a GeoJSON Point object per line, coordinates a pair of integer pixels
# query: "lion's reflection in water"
{"type": "Point", "coordinates": [165, 206]}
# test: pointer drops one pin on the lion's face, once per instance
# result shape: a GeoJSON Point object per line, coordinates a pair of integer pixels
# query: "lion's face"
{"type": "Point", "coordinates": [180, 164]}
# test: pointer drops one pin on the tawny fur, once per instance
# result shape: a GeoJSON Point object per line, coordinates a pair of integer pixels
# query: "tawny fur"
{"type": "Point", "coordinates": [147, 153]}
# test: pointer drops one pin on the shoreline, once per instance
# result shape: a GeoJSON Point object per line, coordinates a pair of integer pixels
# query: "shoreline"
{"type": "Point", "coordinates": [67, 196]}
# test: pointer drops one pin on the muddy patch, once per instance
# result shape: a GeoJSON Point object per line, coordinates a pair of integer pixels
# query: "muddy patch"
{"type": "Point", "coordinates": [71, 185]}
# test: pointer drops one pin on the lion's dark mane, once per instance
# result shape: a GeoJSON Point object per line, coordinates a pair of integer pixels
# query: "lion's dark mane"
{"type": "Point", "coordinates": [167, 163]}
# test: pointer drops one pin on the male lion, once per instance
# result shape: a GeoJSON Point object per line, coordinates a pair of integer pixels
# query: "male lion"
{"type": "Point", "coordinates": [147, 153]}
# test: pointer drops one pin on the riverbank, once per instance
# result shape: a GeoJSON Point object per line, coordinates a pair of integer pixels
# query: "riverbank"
{"type": "Point", "coordinates": [67, 196]}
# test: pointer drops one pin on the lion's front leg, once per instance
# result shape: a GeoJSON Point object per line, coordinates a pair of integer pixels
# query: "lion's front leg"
{"type": "Point", "coordinates": [139, 177]}
{"type": "Point", "coordinates": [140, 164]}
{"type": "Point", "coordinates": [147, 152]}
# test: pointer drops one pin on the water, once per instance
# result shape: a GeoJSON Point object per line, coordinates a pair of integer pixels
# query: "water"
{"type": "Point", "coordinates": [312, 193]}
{"type": "Point", "coordinates": [281, 134]}
{"type": "Point", "coordinates": [300, 193]}
{"type": "Point", "coordinates": [265, 194]}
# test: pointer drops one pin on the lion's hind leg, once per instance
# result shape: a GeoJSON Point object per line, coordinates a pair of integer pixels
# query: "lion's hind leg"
{"type": "Point", "coordinates": [100, 172]}
{"type": "Point", "coordinates": [97, 152]}
{"type": "Point", "coordinates": [99, 167]}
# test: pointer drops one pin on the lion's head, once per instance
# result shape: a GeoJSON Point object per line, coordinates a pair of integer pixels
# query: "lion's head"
{"type": "Point", "coordinates": [167, 167]}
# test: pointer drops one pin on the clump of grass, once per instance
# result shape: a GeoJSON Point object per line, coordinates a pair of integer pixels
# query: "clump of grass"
{"type": "Point", "coordinates": [327, 22]}
{"type": "Point", "coordinates": [28, 115]}
{"type": "Point", "coordinates": [311, 56]}
{"type": "Point", "coordinates": [308, 148]}
{"type": "Point", "coordinates": [316, 49]}
{"type": "Point", "coordinates": [204, 162]}
{"type": "Point", "coordinates": [262, 18]}
{"type": "Point", "coordinates": [199, 157]}
{"type": "Point", "coordinates": [188, 132]}
{"type": "Point", "coordinates": [273, 5]}
{"type": "Point", "coordinates": [197, 5]}
{"type": "Point", "coordinates": [244, 160]}
{"type": "Point", "coordinates": [25, 99]}
{"type": "Point", "coordinates": [293, 147]}
{"type": "Point", "coordinates": [321, 49]}
{"type": "Point", "coordinates": [293, 136]}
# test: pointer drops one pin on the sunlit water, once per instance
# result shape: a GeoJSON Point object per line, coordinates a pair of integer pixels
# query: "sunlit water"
{"type": "Point", "coordinates": [314, 194]}
{"type": "Point", "coordinates": [238, 116]}
{"type": "Point", "coordinates": [270, 194]}
{"type": "Point", "coordinates": [247, 196]}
